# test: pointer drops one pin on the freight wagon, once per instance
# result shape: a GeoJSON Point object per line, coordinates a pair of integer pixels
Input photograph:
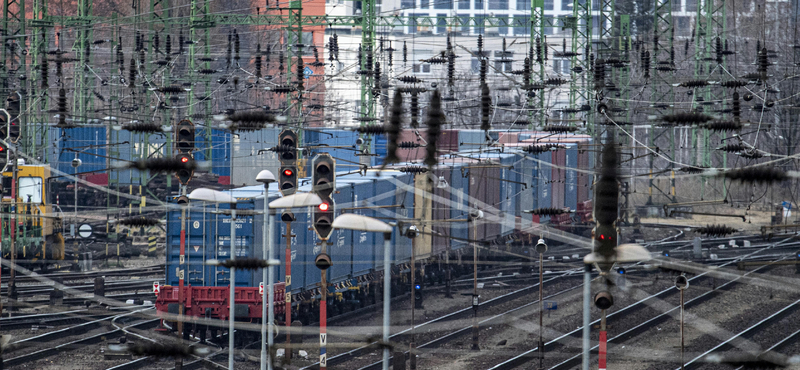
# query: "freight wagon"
{"type": "Point", "coordinates": [501, 183]}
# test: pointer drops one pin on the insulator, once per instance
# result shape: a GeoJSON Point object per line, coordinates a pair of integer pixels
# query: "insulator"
{"type": "Point", "coordinates": [181, 42]}
{"type": "Point", "coordinates": [548, 211]}
{"type": "Point", "coordinates": [538, 50]}
{"type": "Point", "coordinates": [599, 74]}
{"type": "Point", "coordinates": [480, 46]}
{"type": "Point", "coordinates": [763, 63]}
{"type": "Point", "coordinates": [555, 81]}
{"type": "Point", "coordinates": [486, 108]}
{"type": "Point", "coordinates": [646, 64]}
{"type": "Point", "coordinates": [371, 130]}
{"type": "Point", "coordinates": [142, 127]}
{"type": "Point", "coordinates": [299, 73]}
{"type": "Point", "coordinates": [559, 128]}
{"type": "Point", "coordinates": [98, 96]}
{"type": "Point", "coordinates": [393, 130]}
{"type": "Point", "coordinates": [718, 44]}
{"type": "Point", "coordinates": [138, 221]}
{"type": "Point", "coordinates": [280, 61]}
{"type": "Point", "coordinates": [686, 118]}
{"type": "Point", "coordinates": [405, 52]}
{"type": "Point", "coordinates": [132, 74]}
{"type": "Point", "coordinates": [250, 116]}
{"type": "Point", "coordinates": [692, 169]}
{"type": "Point", "coordinates": [715, 230]}
{"type": "Point", "coordinates": [172, 89]}
{"type": "Point", "coordinates": [168, 46]}
{"type": "Point", "coordinates": [672, 55]}
{"type": "Point", "coordinates": [686, 48]}
{"type": "Point", "coordinates": [162, 164]}
{"type": "Point", "coordinates": [376, 90]}
{"type": "Point", "coordinates": [409, 79]}
{"type": "Point", "coordinates": [693, 83]}
{"type": "Point", "coordinates": [283, 89]}
{"type": "Point", "coordinates": [246, 126]}
{"type": "Point", "coordinates": [62, 101]}
{"type": "Point", "coordinates": [408, 145]}
{"type": "Point", "coordinates": [437, 60]}
{"type": "Point", "coordinates": [258, 61]}
{"type": "Point", "coordinates": [733, 83]}
{"type": "Point", "coordinates": [43, 72]}
{"type": "Point", "coordinates": [359, 57]}
{"type": "Point", "coordinates": [413, 169]}
{"type": "Point", "coordinates": [723, 126]}
{"type": "Point", "coordinates": [208, 71]}
{"type": "Point", "coordinates": [545, 48]}
{"type": "Point", "coordinates": [235, 45]}
{"type": "Point", "coordinates": [751, 154]}
{"type": "Point", "coordinates": [733, 147]}
{"type": "Point", "coordinates": [414, 110]}
{"type": "Point", "coordinates": [368, 66]}
{"type": "Point", "coordinates": [412, 90]}
{"type": "Point", "coordinates": [526, 72]}
{"type": "Point", "coordinates": [435, 121]}
{"type": "Point", "coordinates": [483, 71]}
{"type": "Point", "coordinates": [737, 107]}
{"type": "Point", "coordinates": [156, 42]}
{"type": "Point", "coordinates": [162, 350]}
{"type": "Point", "coordinates": [536, 149]}
{"type": "Point", "coordinates": [336, 45]}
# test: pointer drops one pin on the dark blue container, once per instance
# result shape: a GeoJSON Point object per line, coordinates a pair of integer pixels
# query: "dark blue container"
{"type": "Point", "coordinates": [571, 182]}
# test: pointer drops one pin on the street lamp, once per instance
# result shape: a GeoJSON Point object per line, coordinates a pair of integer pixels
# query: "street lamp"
{"type": "Point", "coordinates": [541, 248]}
{"type": "Point", "coordinates": [214, 196]}
{"type": "Point", "coordinates": [363, 223]}
{"type": "Point", "coordinates": [266, 177]}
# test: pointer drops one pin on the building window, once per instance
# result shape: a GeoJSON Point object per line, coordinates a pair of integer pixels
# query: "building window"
{"type": "Point", "coordinates": [522, 25]}
{"type": "Point", "coordinates": [463, 4]}
{"type": "Point", "coordinates": [503, 61]}
{"type": "Point", "coordinates": [676, 5]}
{"type": "Point", "coordinates": [424, 4]}
{"type": "Point", "coordinates": [441, 23]}
{"type": "Point", "coordinates": [443, 4]}
{"type": "Point", "coordinates": [562, 66]}
{"type": "Point", "coordinates": [498, 4]}
{"type": "Point", "coordinates": [464, 20]}
{"type": "Point", "coordinates": [407, 4]}
{"type": "Point", "coordinates": [421, 67]}
{"type": "Point", "coordinates": [547, 20]}
{"type": "Point", "coordinates": [478, 4]}
{"type": "Point", "coordinates": [412, 23]}
{"type": "Point", "coordinates": [548, 4]}
{"type": "Point", "coordinates": [480, 20]}
{"type": "Point", "coordinates": [524, 5]}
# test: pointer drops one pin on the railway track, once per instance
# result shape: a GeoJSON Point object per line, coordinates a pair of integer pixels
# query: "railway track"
{"type": "Point", "coordinates": [109, 286]}
{"type": "Point", "coordinates": [405, 335]}
{"type": "Point", "coordinates": [69, 276]}
{"type": "Point", "coordinates": [77, 330]}
{"type": "Point", "coordinates": [630, 330]}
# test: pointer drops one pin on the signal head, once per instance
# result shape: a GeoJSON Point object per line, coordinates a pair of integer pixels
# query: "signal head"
{"type": "Point", "coordinates": [324, 207]}
{"type": "Point", "coordinates": [288, 139]}
{"type": "Point", "coordinates": [288, 172]}
{"type": "Point", "coordinates": [287, 181]}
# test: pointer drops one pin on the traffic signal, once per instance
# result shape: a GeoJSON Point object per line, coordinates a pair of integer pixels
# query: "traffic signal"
{"type": "Point", "coordinates": [13, 108]}
{"type": "Point", "coordinates": [287, 152]}
{"type": "Point", "coordinates": [186, 170]}
{"type": "Point", "coordinates": [3, 156]}
{"type": "Point", "coordinates": [4, 126]}
{"type": "Point", "coordinates": [418, 296]}
{"type": "Point", "coordinates": [184, 145]}
{"type": "Point", "coordinates": [287, 180]}
{"type": "Point", "coordinates": [323, 182]}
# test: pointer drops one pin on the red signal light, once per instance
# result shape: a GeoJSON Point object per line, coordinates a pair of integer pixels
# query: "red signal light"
{"type": "Point", "coordinates": [324, 207]}
{"type": "Point", "coordinates": [288, 172]}
{"type": "Point", "coordinates": [602, 237]}
{"type": "Point", "coordinates": [184, 159]}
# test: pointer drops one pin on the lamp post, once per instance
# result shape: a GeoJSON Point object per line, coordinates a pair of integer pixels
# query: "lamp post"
{"type": "Point", "coordinates": [369, 224]}
{"type": "Point", "coordinates": [266, 177]}
{"type": "Point", "coordinates": [541, 248]}
{"type": "Point", "coordinates": [291, 201]}
{"type": "Point", "coordinates": [214, 196]}
{"type": "Point", "coordinates": [474, 216]}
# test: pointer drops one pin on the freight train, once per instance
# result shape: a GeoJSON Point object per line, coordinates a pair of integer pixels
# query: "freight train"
{"type": "Point", "coordinates": [502, 180]}
{"type": "Point", "coordinates": [30, 220]}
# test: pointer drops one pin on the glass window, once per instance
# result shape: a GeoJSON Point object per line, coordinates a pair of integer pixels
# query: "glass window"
{"type": "Point", "coordinates": [691, 5]}
{"type": "Point", "coordinates": [522, 25]}
{"type": "Point", "coordinates": [502, 29]}
{"type": "Point", "coordinates": [443, 4]}
{"type": "Point", "coordinates": [479, 20]}
{"type": "Point", "coordinates": [676, 5]}
{"type": "Point", "coordinates": [479, 4]}
{"type": "Point", "coordinates": [441, 23]}
{"type": "Point", "coordinates": [524, 5]}
{"type": "Point", "coordinates": [30, 187]}
{"type": "Point", "coordinates": [464, 20]}
{"type": "Point", "coordinates": [548, 4]}
{"type": "Point", "coordinates": [412, 23]}
{"type": "Point", "coordinates": [407, 4]}
{"type": "Point", "coordinates": [424, 4]}
{"type": "Point", "coordinates": [420, 67]}
{"type": "Point", "coordinates": [566, 5]}
{"type": "Point", "coordinates": [548, 30]}
{"type": "Point", "coordinates": [463, 4]}
{"type": "Point", "coordinates": [562, 66]}
{"type": "Point", "coordinates": [498, 4]}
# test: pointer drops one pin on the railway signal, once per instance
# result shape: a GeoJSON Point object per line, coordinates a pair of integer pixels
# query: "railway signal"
{"type": "Point", "coordinates": [184, 145]}
{"type": "Point", "coordinates": [418, 296]}
{"type": "Point", "coordinates": [323, 182]}
{"type": "Point", "coordinates": [13, 109]}
{"type": "Point", "coordinates": [287, 152]}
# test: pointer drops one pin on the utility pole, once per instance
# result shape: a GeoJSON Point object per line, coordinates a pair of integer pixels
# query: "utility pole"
{"type": "Point", "coordinates": [541, 248]}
